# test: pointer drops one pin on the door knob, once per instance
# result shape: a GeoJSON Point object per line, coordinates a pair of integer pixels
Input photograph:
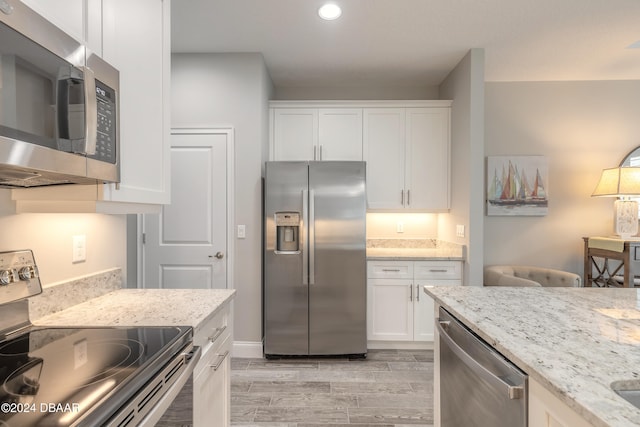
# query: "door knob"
{"type": "Point", "coordinates": [218, 255]}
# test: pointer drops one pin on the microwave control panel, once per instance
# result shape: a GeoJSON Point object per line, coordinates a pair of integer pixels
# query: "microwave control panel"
{"type": "Point", "coordinates": [106, 139]}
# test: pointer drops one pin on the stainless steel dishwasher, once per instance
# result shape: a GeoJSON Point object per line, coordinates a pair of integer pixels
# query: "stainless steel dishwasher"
{"type": "Point", "coordinates": [478, 386]}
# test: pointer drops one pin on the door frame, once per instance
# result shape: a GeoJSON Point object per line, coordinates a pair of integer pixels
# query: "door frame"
{"type": "Point", "coordinates": [230, 200]}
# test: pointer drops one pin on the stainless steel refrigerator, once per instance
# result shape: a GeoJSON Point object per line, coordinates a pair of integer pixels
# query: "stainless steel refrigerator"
{"type": "Point", "coordinates": [315, 259]}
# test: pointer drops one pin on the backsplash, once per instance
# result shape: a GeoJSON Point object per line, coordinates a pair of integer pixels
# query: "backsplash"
{"type": "Point", "coordinates": [64, 295]}
{"type": "Point", "coordinates": [409, 243]}
{"type": "Point", "coordinates": [401, 225]}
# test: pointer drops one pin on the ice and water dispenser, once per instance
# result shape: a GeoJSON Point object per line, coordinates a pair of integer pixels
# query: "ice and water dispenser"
{"type": "Point", "coordinates": [287, 232]}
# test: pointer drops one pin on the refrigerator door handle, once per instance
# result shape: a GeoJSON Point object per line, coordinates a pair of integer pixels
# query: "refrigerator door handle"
{"type": "Point", "coordinates": [312, 238]}
{"type": "Point", "coordinates": [305, 240]}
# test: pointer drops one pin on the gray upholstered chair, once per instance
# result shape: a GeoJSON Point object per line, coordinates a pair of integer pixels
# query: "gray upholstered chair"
{"type": "Point", "coordinates": [522, 275]}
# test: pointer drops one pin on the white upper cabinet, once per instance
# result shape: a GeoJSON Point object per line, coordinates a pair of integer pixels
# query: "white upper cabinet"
{"type": "Point", "coordinates": [406, 145]}
{"type": "Point", "coordinates": [427, 158]}
{"type": "Point", "coordinates": [295, 133]}
{"type": "Point", "coordinates": [340, 134]}
{"type": "Point", "coordinates": [301, 131]}
{"type": "Point", "coordinates": [136, 40]}
{"type": "Point", "coordinates": [384, 152]}
{"type": "Point", "coordinates": [81, 19]}
{"type": "Point", "coordinates": [134, 37]}
{"type": "Point", "coordinates": [407, 155]}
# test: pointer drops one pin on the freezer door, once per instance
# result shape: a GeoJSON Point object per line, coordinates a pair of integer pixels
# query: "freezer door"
{"type": "Point", "coordinates": [337, 258]}
{"type": "Point", "coordinates": [286, 325]}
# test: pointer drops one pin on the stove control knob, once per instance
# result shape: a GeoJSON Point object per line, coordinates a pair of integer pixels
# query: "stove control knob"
{"type": "Point", "coordinates": [26, 273]}
{"type": "Point", "coordinates": [6, 277]}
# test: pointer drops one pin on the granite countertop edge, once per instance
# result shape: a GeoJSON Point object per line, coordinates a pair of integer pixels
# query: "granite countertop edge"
{"type": "Point", "coordinates": [591, 397]}
{"type": "Point", "coordinates": [414, 254]}
{"type": "Point", "coordinates": [413, 258]}
{"type": "Point", "coordinates": [143, 307]}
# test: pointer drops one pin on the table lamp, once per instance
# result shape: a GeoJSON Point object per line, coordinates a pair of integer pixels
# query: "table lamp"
{"type": "Point", "coordinates": [622, 182]}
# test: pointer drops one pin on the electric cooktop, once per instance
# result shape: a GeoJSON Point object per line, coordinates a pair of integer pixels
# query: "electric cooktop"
{"type": "Point", "coordinates": [55, 377]}
{"type": "Point", "coordinates": [78, 376]}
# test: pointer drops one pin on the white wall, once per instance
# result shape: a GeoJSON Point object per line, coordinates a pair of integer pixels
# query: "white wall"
{"type": "Point", "coordinates": [582, 128]}
{"type": "Point", "coordinates": [465, 86]}
{"type": "Point", "coordinates": [232, 89]}
{"type": "Point", "coordinates": [50, 237]}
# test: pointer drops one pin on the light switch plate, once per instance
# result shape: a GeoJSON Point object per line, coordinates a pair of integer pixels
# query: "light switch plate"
{"type": "Point", "coordinates": [242, 231]}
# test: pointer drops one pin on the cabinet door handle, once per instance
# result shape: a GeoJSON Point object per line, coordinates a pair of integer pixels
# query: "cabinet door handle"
{"type": "Point", "coordinates": [408, 197]}
{"type": "Point", "coordinates": [320, 151]}
{"type": "Point", "coordinates": [397, 270]}
{"type": "Point", "coordinates": [402, 197]}
{"type": "Point", "coordinates": [411, 292]}
{"type": "Point", "coordinates": [437, 270]}
{"type": "Point", "coordinates": [417, 292]}
{"type": "Point", "coordinates": [315, 150]}
{"type": "Point", "coordinates": [219, 361]}
{"type": "Point", "coordinates": [217, 333]}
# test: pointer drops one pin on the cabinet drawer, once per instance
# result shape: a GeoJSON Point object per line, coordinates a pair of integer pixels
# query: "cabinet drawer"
{"type": "Point", "coordinates": [212, 359]}
{"type": "Point", "coordinates": [213, 332]}
{"type": "Point", "coordinates": [438, 270]}
{"type": "Point", "coordinates": [390, 270]}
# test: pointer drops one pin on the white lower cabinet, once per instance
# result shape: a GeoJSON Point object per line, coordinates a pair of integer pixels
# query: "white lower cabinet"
{"type": "Point", "coordinates": [397, 307]}
{"type": "Point", "coordinates": [546, 410]}
{"type": "Point", "coordinates": [212, 375]}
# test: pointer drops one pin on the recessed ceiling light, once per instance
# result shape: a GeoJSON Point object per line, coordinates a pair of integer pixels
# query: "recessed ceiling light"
{"type": "Point", "coordinates": [329, 11]}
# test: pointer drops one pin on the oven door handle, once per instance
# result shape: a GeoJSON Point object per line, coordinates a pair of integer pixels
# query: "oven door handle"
{"type": "Point", "coordinates": [192, 357]}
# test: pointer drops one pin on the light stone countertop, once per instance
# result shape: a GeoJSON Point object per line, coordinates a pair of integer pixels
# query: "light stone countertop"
{"type": "Point", "coordinates": [574, 341]}
{"type": "Point", "coordinates": [143, 307]}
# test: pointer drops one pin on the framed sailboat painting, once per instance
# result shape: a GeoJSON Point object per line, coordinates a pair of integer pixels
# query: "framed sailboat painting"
{"type": "Point", "coordinates": [517, 185]}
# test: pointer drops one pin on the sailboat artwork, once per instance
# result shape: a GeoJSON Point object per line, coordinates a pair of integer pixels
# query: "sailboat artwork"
{"type": "Point", "coordinates": [517, 185]}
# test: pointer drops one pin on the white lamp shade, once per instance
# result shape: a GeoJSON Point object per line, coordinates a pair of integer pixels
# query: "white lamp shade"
{"type": "Point", "coordinates": [621, 181]}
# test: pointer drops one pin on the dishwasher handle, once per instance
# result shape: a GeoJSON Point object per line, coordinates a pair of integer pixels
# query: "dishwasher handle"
{"type": "Point", "coordinates": [514, 392]}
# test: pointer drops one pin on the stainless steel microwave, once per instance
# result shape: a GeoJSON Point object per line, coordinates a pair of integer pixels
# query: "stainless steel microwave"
{"type": "Point", "coordinates": [58, 105]}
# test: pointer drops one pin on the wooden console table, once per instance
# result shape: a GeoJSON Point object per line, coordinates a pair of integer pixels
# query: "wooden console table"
{"type": "Point", "coordinates": [602, 274]}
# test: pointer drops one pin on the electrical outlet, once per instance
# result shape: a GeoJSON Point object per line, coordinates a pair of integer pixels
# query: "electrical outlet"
{"type": "Point", "coordinates": [459, 230]}
{"type": "Point", "coordinates": [79, 250]}
{"type": "Point", "coordinates": [400, 227]}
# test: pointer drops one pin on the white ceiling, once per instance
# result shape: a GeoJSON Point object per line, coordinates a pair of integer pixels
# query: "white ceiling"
{"type": "Point", "coordinates": [417, 42]}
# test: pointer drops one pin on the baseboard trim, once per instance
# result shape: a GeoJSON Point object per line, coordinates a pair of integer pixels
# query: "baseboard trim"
{"type": "Point", "coordinates": [400, 345]}
{"type": "Point", "coordinates": [253, 349]}
{"type": "Point", "coordinates": [247, 349]}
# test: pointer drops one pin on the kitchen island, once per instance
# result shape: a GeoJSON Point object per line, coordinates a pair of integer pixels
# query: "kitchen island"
{"type": "Point", "coordinates": [572, 342]}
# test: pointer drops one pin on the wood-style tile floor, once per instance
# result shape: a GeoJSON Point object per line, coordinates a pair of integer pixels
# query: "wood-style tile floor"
{"type": "Point", "coordinates": [391, 388]}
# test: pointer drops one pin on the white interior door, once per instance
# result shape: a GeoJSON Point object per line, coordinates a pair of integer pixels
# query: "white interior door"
{"type": "Point", "coordinates": [186, 244]}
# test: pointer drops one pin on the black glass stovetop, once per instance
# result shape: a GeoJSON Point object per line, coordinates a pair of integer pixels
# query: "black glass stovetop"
{"type": "Point", "coordinates": [61, 376]}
